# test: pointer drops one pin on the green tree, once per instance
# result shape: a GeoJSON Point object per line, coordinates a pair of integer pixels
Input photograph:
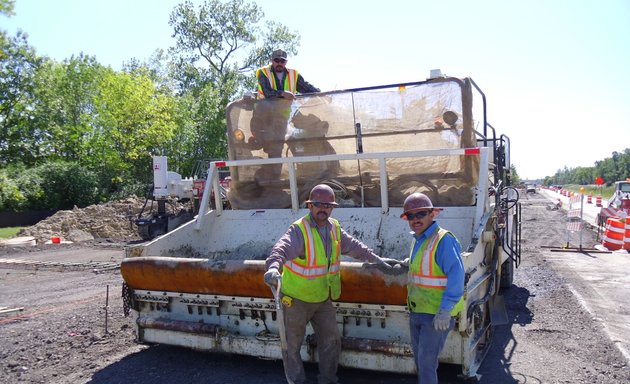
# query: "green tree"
{"type": "Point", "coordinates": [64, 106]}
{"type": "Point", "coordinates": [6, 7]}
{"type": "Point", "coordinates": [19, 139]}
{"type": "Point", "coordinates": [516, 179]}
{"type": "Point", "coordinates": [134, 122]}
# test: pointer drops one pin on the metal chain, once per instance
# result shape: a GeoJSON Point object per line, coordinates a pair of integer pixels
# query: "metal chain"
{"type": "Point", "coordinates": [127, 296]}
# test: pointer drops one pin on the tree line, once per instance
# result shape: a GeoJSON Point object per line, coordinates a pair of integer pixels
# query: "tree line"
{"type": "Point", "coordinates": [611, 169]}
{"type": "Point", "coordinates": [77, 132]}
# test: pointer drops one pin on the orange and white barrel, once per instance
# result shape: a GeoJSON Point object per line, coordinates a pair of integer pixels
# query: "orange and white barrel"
{"type": "Point", "coordinates": [626, 239]}
{"type": "Point", "coordinates": [589, 199]}
{"type": "Point", "coordinates": [598, 201]}
{"type": "Point", "coordinates": [614, 235]}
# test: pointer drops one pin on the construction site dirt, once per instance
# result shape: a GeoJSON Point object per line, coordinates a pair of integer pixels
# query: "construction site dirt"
{"type": "Point", "coordinates": [62, 319]}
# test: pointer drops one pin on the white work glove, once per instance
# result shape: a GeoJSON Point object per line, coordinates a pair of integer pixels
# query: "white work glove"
{"type": "Point", "coordinates": [442, 320]}
{"type": "Point", "coordinates": [271, 277]}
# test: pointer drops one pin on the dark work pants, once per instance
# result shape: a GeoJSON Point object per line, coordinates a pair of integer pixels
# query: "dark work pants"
{"type": "Point", "coordinates": [322, 317]}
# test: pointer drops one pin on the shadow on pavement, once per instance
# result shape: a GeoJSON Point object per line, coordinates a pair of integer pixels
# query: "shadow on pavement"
{"type": "Point", "coordinates": [496, 367]}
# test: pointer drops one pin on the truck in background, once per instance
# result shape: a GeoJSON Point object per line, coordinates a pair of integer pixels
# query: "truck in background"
{"type": "Point", "coordinates": [201, 285]}
{"type": "Point", "coordinates": [622, 192]}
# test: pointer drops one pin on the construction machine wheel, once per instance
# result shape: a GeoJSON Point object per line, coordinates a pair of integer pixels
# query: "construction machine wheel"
{"type": "Point", "coordinates": [507, 274]}
{"type": "Point", "coordinates": [151, 230]}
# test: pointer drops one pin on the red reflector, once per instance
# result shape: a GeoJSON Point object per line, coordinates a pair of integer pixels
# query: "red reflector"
{"type": "Point", "coordinates": [472, 151]}
{"type": "Point", "coordinates": [219, 163]}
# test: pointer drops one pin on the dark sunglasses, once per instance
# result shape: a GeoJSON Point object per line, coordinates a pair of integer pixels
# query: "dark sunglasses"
{"type": "Point", "coordinates": [279, 61]}
{"type": "Point", "coordinates": [418, 215]}
{"type": "Point", "coordinates": [322, 205]}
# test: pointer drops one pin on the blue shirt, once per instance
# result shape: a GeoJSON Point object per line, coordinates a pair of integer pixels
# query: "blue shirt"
{"type": "Point", "coordinates": [448, 258]}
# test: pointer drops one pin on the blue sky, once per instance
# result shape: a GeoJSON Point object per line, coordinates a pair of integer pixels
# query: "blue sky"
{"type": "Point", "coordinates": [555, 72]}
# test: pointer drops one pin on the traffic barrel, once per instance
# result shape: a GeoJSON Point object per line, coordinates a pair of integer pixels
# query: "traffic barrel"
{"type": "Point", "coordinates": [589, 199]}
{"type": "Point", "coordinates": [626, 239]}
{"type": "Point", "coordinates": [614, 235]}
{"type": "Point", "coordinates": [598, 201]}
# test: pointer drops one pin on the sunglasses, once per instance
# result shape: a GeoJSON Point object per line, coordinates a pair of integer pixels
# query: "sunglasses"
{"type": "Point", "coordinates": [417, 215]}
{"type": "Point", "coordinates": [317, 204]}
{"type": "Point", "coordinates": [279, 61]}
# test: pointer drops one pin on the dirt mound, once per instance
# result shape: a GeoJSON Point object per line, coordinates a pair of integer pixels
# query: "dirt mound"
{"type": "Point", "coordinates": [111, 220]}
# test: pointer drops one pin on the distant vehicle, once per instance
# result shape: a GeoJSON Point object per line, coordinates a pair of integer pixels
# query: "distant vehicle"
{"type": "Point", "coordinates": [530, 189]}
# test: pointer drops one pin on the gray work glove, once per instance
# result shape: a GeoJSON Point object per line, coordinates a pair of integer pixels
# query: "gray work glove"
{"type": "Point", "coordinates": [271, 277]}
{"type": "Point", "coordinates": [382, 264]}
{"type": "Point", "coordinates": [442, 320]}
{"type": "Point", "coordinates": [390, 266]}
{"type": "Point", "coordinates": [390, 262]}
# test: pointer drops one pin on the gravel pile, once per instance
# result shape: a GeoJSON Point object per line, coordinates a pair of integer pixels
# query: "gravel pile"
{"type": "Point", "coordinates": [111, 220]}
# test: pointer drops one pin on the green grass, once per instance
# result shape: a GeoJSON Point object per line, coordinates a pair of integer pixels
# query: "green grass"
{"type": "Point", "coordinates": [604, 192]}
{"type": "Point", "coordinates": [8, 232]}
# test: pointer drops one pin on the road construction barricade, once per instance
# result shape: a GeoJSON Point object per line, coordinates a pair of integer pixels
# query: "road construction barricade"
{"type": "Point", "coordinates": [615, 233]}
{"type": "Point", "coordinates": [589, 199]}
{"type": "Point", "coordinates": [598, 201]}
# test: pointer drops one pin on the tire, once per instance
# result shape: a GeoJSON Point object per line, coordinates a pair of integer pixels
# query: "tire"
{"type": "Point", "coordinates": [507, 274]}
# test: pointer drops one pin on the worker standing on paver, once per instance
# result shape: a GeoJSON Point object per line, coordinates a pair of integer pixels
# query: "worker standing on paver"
{"type": "Point", "coordinates": [307, 259]}
{"type": "Point", "coordinates": [435, 287]}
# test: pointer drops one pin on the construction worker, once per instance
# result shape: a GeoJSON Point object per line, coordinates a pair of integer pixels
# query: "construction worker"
{"type": "Point", "coordinates": [278, 81]}
{"type": "Point", "coordinates": [435, 285]}
{"type": "Point", "coordinates": [307, 260]}
{"type": "Point", "coordinates": [277, 85]}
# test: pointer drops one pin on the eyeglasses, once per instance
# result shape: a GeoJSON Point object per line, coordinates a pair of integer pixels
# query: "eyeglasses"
{"type": "Point", "coordinates": [279, 61]}
{"type": "Point", "coordinates": [317, 204]}
{"type": "Point", "coordinates": [419, 215]}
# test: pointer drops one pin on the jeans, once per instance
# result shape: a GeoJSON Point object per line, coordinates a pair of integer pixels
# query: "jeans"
{"type": "Point", "coordinates": [427, 343]}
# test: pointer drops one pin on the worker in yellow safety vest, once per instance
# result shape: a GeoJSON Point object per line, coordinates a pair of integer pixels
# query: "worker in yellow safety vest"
{"type": "Point", "coordinates": [307, 261]}
{"type": "Point", "coordinates": [276, 80]}
{"type": "Point", "coordinates": [277, 85]}
{"type": "Point", "coordinates": [435, 284]}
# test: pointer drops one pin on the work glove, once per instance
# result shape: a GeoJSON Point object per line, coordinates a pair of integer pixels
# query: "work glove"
{"type": "Point", "coordinates": [390, 262]}
{"type": "Point", "coordinates": [390, 266]}
{"type": "Point", "coordinates": [271, 276]}
{"type": "Point", "coordinates": [442, 320]}
{"type": "Point", "coordinates": [401, 266]}
{"type": "Point", "coordinates": [382, 264]}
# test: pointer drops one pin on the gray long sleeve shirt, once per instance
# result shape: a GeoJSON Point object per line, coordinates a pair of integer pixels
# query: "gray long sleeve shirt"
{"type": "Point", "coordinates": [291, 246]}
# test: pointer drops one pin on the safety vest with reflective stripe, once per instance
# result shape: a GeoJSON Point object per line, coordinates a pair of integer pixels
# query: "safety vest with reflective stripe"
{"type": "Point", "coordinates": [427, 281]}
{"type": "Point", "coordinates": [312, 278]}
{"type": "Point", "coordinates": [290, 80]}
